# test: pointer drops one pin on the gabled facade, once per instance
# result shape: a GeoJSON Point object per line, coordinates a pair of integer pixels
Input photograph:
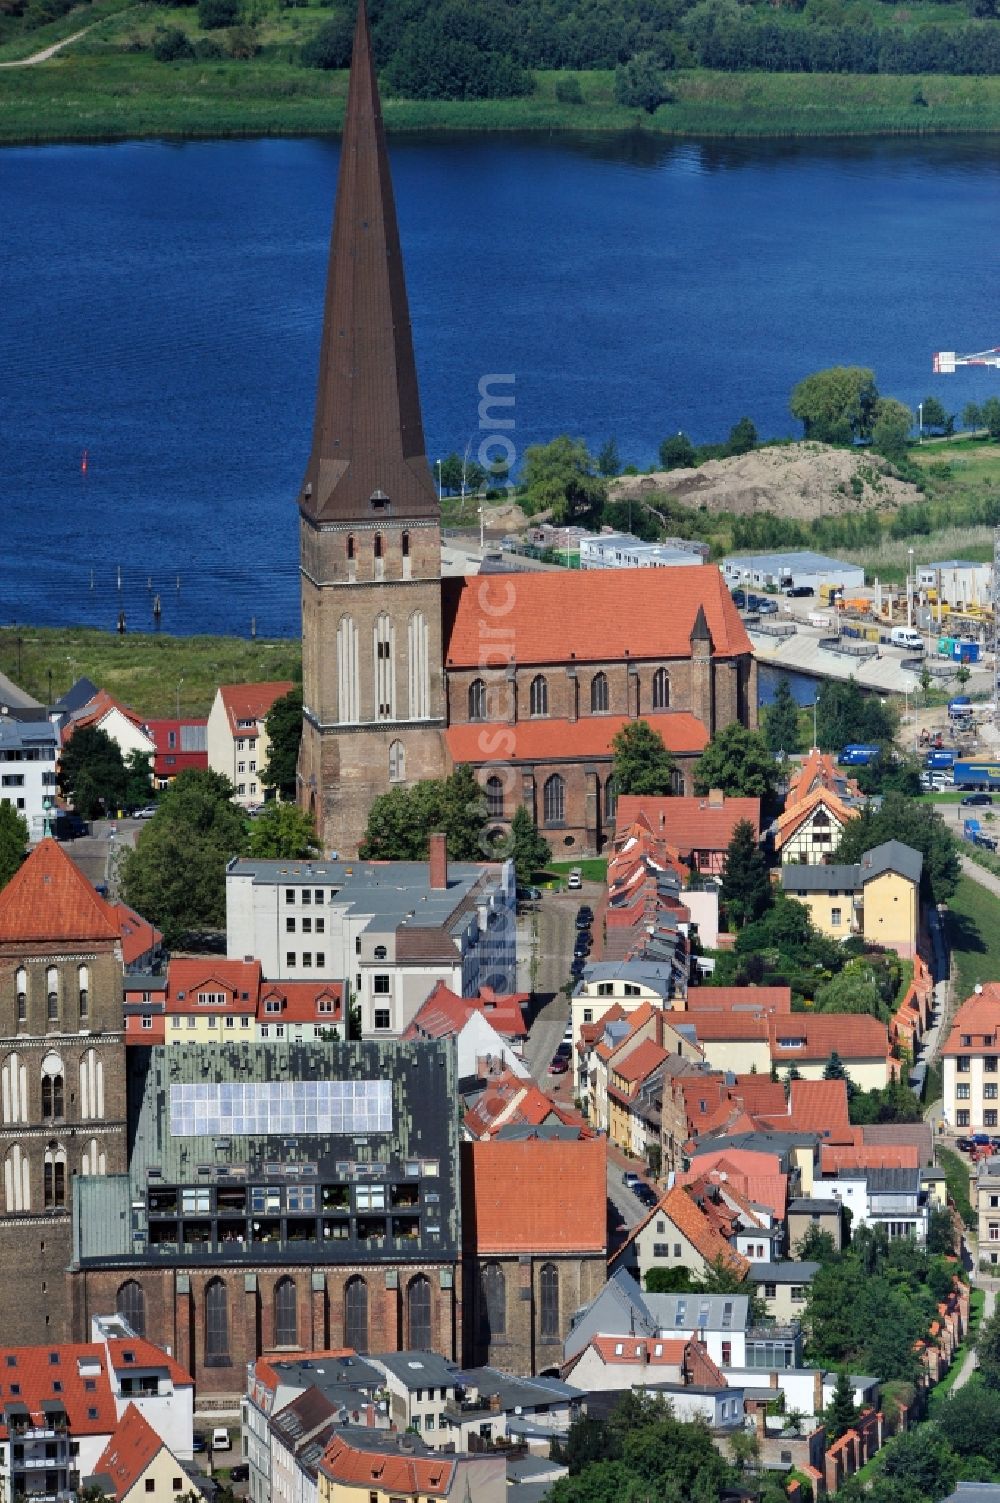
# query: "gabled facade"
{"type": "Point", "coordinates": [236, 736]}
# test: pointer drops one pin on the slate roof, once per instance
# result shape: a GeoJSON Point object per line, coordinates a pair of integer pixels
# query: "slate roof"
{"type": "Point", "coordinates": [891, 856]}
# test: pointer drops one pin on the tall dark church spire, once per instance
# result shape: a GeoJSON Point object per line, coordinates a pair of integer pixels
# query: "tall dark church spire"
{"type": "Point", "coordinates": [368, 439]}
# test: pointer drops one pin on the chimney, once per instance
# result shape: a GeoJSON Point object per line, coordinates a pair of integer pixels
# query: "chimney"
{"type": "Point", "coordinates": [439, 861]}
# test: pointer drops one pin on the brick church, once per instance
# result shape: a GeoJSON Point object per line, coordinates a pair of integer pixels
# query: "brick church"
{"type": "Point", "coordinates": [405, 675]}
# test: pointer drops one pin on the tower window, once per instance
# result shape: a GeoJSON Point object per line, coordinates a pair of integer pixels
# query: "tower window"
{"type": "Point", "coordinates": [539, 696]}
{"type": "Point", "coordinates": [350, 546]}
{"type": "Point", "coordinates": [378, 545]}
{"type": "Point", "coordinates": [405, 541]}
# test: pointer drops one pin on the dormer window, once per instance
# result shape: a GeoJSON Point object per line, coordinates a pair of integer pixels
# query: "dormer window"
{"type": "Point", "coordinates": [379, 501]}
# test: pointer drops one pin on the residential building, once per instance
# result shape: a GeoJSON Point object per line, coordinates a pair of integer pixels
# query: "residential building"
{"type": "Point", "coordinates": [988, 1209]}
{"type": "Point", "coordinates": [142, 942]}
{"type": "Point", "coordinates": [534, 1224]}
{"type": "Point", "coordinates": [511, 1105]}
{"type": "Point", "coordinates": [179, 746]}
{"type": "Point", "coordinates": [809, 1040]}
{"type": "Point", "coordinates": [894, 1199]}
{"type": "Point", "coordinates": [799, 569]}
{"type": "Point", "coordinates": [62, 1079]}
{"type": "Point", "coordinates": [623, 984]}
{"type": "Point", "coordinates": [329, 1209]}
{"type": "Point", "coordinates": [825, 1213]}
{"type": "Point", "coordinates": [137, 1463]}
{"type": "Point", "coordinates": [146, 1375]}
{"type": "Point", "coordinates": [809, 830]}
{"type": "Point", "coordinates": [732, 1040]}
{"type": "Point", "coordinates": [719, 1322]}
{"type": "Point", "coordinates": [299, 1434]}
{"type": "Point", "coordinates": [819, 769]}
{"type": "Point", "coordinates": [28, 751]}
{"type": "Point", "coordinates": [420, 1386]}
{"type": "Point", "coordinates": [495, 1407]}
{"type": "Point", "coordinates": [118, 721]}
{"type": "Point", "coordinates": [699, 829]}
{"type": "Point", "coordinates": [617, 1362]}
{"type": "Point", "coordinates": [485, 1028]}
{"type": "Point", "coordinates": [681, 1233]}
{"type": "Point", "coordinates": [397, 685]}
{"type": "Point", "coordinates": [363, 1466]}
{"type": "Point", "coordinates": [236, 736]}
{"type": "Point", "coordinates": [390, 930]}
{"type": "Point", "coordinates": [971, 1062]}
{"type": "Point", "coordinates": [784, 1287]}
{"type": "Point", "coordinates": [877, 897]}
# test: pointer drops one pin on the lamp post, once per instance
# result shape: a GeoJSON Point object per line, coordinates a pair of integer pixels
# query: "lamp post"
{"type": "Point", "coordinates": [909, 587]}
{"type": "Point", "coordinates": [438, 464]}
{"type": "Point", "coordinates": [920, 420]}
{"type": "Point", "coordinates": [179, 682]}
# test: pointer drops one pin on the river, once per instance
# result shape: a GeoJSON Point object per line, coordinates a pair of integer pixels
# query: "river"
{"type": "Point", "coordinates": [160, 308]}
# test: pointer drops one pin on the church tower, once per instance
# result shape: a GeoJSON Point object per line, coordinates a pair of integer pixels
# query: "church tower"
{"type": "Point", "coordinates": [370, 535]}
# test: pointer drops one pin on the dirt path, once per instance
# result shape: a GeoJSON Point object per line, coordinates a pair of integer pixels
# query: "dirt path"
{"type": "Point", "coordinates": [47, 52]}
{"type": "Point", "coordinates": [970, 1361]}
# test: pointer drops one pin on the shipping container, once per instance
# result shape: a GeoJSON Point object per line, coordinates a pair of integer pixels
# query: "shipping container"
{"type": "Point", "coordinates": [858, 754]}
{"type": "Point", "coordinates": [940, 759]}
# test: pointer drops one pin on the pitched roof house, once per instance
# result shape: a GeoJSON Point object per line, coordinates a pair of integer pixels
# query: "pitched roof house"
{"type": "Point", "coordinates": [237, 736]}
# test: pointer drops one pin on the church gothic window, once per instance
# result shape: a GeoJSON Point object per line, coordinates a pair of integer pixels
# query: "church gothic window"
{"type": "Point", "coordinates": [661, 689]}
{"type": "Point", "coordinates": [14, 1089]}
{"type": "Point", "coordinates": [378, 545]}
{"type": "Point", "coordinates": [397, 762]}
{"type": "Point", "coordinates": [350, 548]}
{"type": "Point", "coordinates": [405, 543]}
{"type": "Point", "coordinates": [477, 699]}
{"type": "Point", "coordinates": [130, 1302]}
{"type": "Point", "coordinates": [17, 1180]}
{"type": "Point", "coordinates": [549, 1288]}
{"type": "Point", "coordinates": [83, 991]}
{"type": "Point", "coordinates": [418, 1313]}
{"type": "Point", "coordinates": [418, 653]}
{"type": "Point", "coordinates": [286, 1315]}
{"type": "Point", "coordinates": [554, 800]}
{"type": "Point", "coordinates": [53, 1088]}
{"type": "Point", "coordinates": [599, 694]}
{"type": "Point", "coordinates": [52, 994]}
{"type": "Point", "coordinates": [539, 695]}
{"type": "Point", "coordinates": [494, 797]}
{"type": "Point", "coordinates": [356, 1315]}
{"type": "Point", "coordinates": [54, 1177]}
{"type": "Point", "coordinates": [610, 799]}
{"type": "Point", "coordinates": [495, 1299]}
{"type": "Point", "coordinates": [22, 994]}
{"type": "Point", "coordinates": [91, 1085]}
{"type": "Point", "coordinates": [385, 682]}
{"type": "Point", "coordinates": [93, 1160]}
{"type": "Point", "coordinates": [216, 1323]}
{"type": "Point", "coordinates": [347, 671]}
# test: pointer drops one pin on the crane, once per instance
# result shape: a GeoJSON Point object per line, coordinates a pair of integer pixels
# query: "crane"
{"type": "Point", "coordinates": [945, 361]}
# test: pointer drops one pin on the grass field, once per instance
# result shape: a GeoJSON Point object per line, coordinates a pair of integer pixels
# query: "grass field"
{"type": "Point", "coordinates": [155, 674]}
{"type": "Point", "coordinates": [106, 86]}
{"type": "Point", "coordinates": [974, 936]}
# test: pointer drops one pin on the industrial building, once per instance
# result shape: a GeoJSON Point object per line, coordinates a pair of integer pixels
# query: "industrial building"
{"type": "Point", "coordinates": [957, 582]}
{"type": "Point", "coordinates": [804, 570]}
{"type": "Point", "coordinates": [620, 550]}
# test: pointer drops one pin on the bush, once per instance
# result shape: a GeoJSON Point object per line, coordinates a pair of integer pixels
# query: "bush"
{"type": "Point", "coordinates": [242, 43]}
{"type": "Point", "coordinates": [330, 47]}
{"type": "Point", "coordinates": [213, 15]}
{"type": "Point", "coordinates": [171, 45]}
{"type": "Point", "coordinates": [640, 85]}
{"type": "Point", "coordinates": [568, 91]}
{"type": "Point", "coordinates": [208, 50]}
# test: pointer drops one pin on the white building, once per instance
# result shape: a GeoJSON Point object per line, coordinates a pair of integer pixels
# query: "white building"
{"type": "Point", "coordinates": [894, 1199]}
{"type": "Point", "coordinates": [28, 769]}
{"type": "Point", "coordinates": [800, 570]}
{"type": "Point", "coordinates": [389, 930]}
{"type": "Point", "coordinates": [237, 735]}
{"type": "Point", "coordinates": [422, 1385]}
{"type": "Point", "coordinates": [620, 550]}
{"type": "Point", "coordinates": [957, 582]}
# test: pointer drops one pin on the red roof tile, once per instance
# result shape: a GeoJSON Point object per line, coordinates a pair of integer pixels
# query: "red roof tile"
{"type": "Point", "coordinates": [689, 824]}
{"type": "Point", "coordinates": [33, 1374]}
{"type": "Point", "coordinates": [837, 1156]}
{"type": "Point", "coordinates": [238, 980]}
{"type": "Point", "coordinates": [49, 898]}
{"type": "Point", "coordinates": [641, 1062]}
{"type": "Point", "coordinates": [977, 1018]}
{"type": "Point", "coordinates": [597, 616]}
{"type": "Point", "coordinates": [387, 1471]}
{"type": "Point", "coordinates": [250, 702]}
{"type": "Point", "coordinates": [652, 1351]}
{"type": "Point", "coordinates": [146, 1354]}
{"type": "Point", "coordinates": [721, 1026]}
{"type": "Point", "coordinates": [538, 740]}
{"type": "Point", "coordinates": [129, 1452]}
{"type": "Point", "coordinates": [692, 1223]}
{"type": "Point", "coordinates": [817, 1036]}
{"type": "Point", "coordinates": [547, 1195]}
{"type": "Point", "coordinates": [300, 1002]}
{"type": "Point", "coordinates": [776, 999]}
{"type": "Point", "coordinates": [138, 935]}
{"type": "Point", "coordinates": [445, 1013]}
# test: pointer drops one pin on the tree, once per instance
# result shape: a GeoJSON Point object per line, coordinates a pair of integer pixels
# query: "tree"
{"type": "Point", "coordinates": [970, 1422]}
{"type": "Point", "coordinates": [608, 459]}
{"type": "Point", "coordinates": [213, 15]}
{"type": "Point", "coordinates": [921, 1459]}
{"type": "Point", "coordinates": [834, 1070]}
{"type": "Point", "coordinates": [900, 818]}
{"type": "Point", "coordinates": [282, 832]}
{"type": "Point", "coordinates": [816, 1246]}
{"type": "Point", "coordinates": [401, 821]}
{"type": "Point", "coordinates": [934, 416]}
{"type": "Point", "coordinates": [640, 84]}
{"type": "Point", "coordinates": [855, 990]}
{"type": "Point", "coordinates": [176, 875]}
{"type": "Point", "coordinates": [781, 721]}
{"type": "Point", "coordinates": [13, 841]}
{"type": "Point", "coordinates": [330, 46]}
{"type": "Point", "coordinates": [171, 45]}
{"type": "Point", "coordinates": [746, 885]}
{"type": "Point", "coordinates": [559, 477]}
{"type": "Point", "coordinates": [641, 763]}
{"type": "Point", "coordinates": [737, 761]}
{"type": "Point", "coordinates": [92, 772]}
{"type": "Point", "coordinates": [526, 848]}
{"type": "Point", "coordinates": [990, 416]}
{"type": "Point", "coordinates": [972, 416]}
{"type": "Point", "coordinates": [844, 713]}
{"type": "Point", "coordinates": [284, 732]}
{"type": "Point", "coordinates": [742, 437]}
{"type": "Point", "coordinates": [988, 1353]}
{"type": "Point", "coordinates": [568, 91]}
{"type": "Point", "coordinates": [677, 453]}
{"type": "Point", "coordinates": [668, 1280]}
{"type": "Point", "coordinates": [891, 428]}
{"type": "Point", "coordinates": [941, 1232]}
{"type": "Point", "coordinates": [840, 1412]}
{"type": "Point", "coordinates": [138, 780]}
{"type": "Point", "coordinates": [836, 405]}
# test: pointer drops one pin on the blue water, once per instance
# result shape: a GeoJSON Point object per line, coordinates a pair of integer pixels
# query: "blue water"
{"type": "Point", "coordinates": [160, 307]}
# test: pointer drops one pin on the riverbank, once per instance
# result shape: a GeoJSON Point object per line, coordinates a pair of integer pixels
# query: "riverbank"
{"type": "Point", "coordinates": [94, 92]}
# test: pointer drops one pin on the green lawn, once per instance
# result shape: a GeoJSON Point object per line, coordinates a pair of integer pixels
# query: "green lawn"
{"type": "Point", "coordinates": [940, 1392]}
{"type": "Point", "coordinates": [151, 672]}
{"type": "Point", "coordinates": [973, 923]}
{"type": "Point", "coordinates": [592, 870]}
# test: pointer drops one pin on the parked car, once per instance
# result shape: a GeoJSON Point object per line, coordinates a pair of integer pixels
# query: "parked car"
{"type": "Point", "coordinates": [529, 894]}
{"type": "Point", "coordinates": [220, 1439]}
{"type": "Point", "coordinates": [199, 1443]}
{"type": "Point", "coordinates": [798, 591]}
{"type": "Point", "coordinates": [559, 1065]}
{"type": "Point", "coordinates": [579, 963]}
{"type": "Point", "coordinates": [240, 1472]}
{"type": "Point", "coordinates": [584, 918]}
{"type": "Point", "coordinates": [575, 879]}
{"type": "Point", "coordinates": [981, 1139]}
{"type": "Point", "coordinates": [145, 813]}
{"type": "Point", "coordinates": [630, 1179]}
{"type": "Point", "coordinates": [740, 599]}
{"type": "Point", "coordinates": [766, 606]}
{"type": "Point", "coordinates": [646, 1194]}
{"type": "Point", "coordinates": [976, 800]}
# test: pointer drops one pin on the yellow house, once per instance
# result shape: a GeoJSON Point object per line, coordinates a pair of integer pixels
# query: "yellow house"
{"type": "Point", "coordinates": [237, 736]}
{"type": "Point", "coordinates": [877, 897]}
{"type": "Point", "coordinates": [136, 1464]}
{"type": "Point", "coordinates": [370, 1466]}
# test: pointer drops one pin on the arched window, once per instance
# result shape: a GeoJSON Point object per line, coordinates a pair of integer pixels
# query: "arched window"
{"type": "Point", "coordinates": [477, 699]}
{"type": "Point", "coordinates": [397, 762]}
{"type": "Point", "coordinates": [347, 671]}
{"type": "Point", "coordinates": [495, 1299]}
{"type": "Point", "coordinates": [418, 1314]}
{"type": "Point", "coordinates": [405, 542]}
{"type": "Point", "coordinates": [54, 1178]}
{"type": "Point", "coordinates": [599, 694]}
{"type": "Point", "coordinates": [93, 1160]}
{"type": "Point", "coordinates": [549, 1288]}
{"type": "Point", "coordinates": [91, 1086]}
{"type": "Point", "coordinates": [14, 1089]}
{"type": "Point", "coordinates": [350, 547]}
{"type": "Point", "coordinates": [418, 656]}
{"type": "Point", "coordinates": [17, 1179]}
{"type": "Point", "coordinates": [539, 695]}
{"type": "Point", "coordinates": [22, 994]}
{"type": "Point", "coordinates": [494, 797]}
{"type": "Point", "coordinates": [52, 993]}
{"type": "Point", "coordinates": [610, 799]}
{"type": "Point", "coordinates": [385, 677]}
{"type": "Point", "coordinates": [83, 991]}
{"type": "Point", "coordinates": [356, 1315]}
{"type": "Point", "coordinates": [53, 1088]}
{"type": "Point", "coordinates": [661, 689]}
{"type": "Point", "coordinates": [286, 1313]}
{"type": "Point", "coordinates": [216, 1324]}
{"type": "Point", "coordinates": [130, 1302]}
{"type": "Point", "coordinates": [378, 545]}
{"type": "Point", "coordinates": [554, 800]}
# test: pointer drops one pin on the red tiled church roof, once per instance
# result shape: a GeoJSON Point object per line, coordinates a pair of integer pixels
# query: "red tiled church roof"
{"type": "Point", "coordinates": [536, 740]}
{"type": "Point", "coordinates": [543, 1195]}
{"type": "Point", "coordinates": [49, 898]}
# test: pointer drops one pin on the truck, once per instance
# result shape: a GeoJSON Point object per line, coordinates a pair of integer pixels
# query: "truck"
{"type": "Point", "coordinates": [960, 708]}
{"type": "Point", "coordinates": [977, 775]}
{"type": "Point", "coordinates": [858, 754]}
{"type": "Point", "coordinates": [943, 758]}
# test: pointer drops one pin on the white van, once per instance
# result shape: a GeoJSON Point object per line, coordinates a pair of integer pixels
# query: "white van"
{"type": "Point", "coordinates": [575, 878]}
{"type": "Point", "coordinates": [220, 1439]}
{"type": "Point", "coordinates": [905, 636]}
